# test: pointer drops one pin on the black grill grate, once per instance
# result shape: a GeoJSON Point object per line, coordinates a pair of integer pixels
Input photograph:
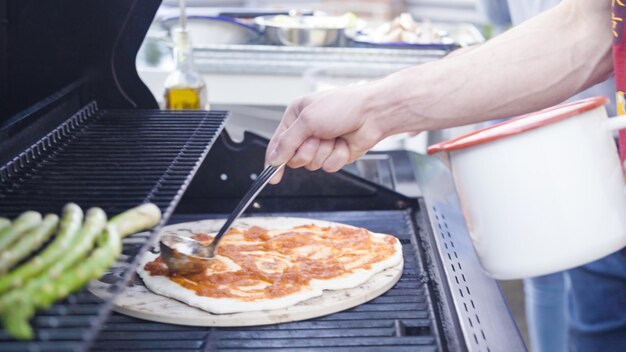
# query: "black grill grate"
{"type": "Point", "coordinates": [114, 159]}
{"type": "Point", "coordinates": [403, 319]}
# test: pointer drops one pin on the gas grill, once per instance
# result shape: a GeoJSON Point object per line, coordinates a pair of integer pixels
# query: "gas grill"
{"type": "Point", "coordinates": [76, 124]}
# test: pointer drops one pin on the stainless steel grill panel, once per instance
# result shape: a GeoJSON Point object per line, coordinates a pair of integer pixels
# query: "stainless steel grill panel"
{"type": "Point", "coordinates": [480, 307]}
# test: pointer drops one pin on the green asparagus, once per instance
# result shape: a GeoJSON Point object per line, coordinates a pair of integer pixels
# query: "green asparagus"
{"type": "Point", "coordinates": [4, 223]}
{"type": "Point", "coordinates": [28, 243]}
{"type": "Point", "coordinates": [95, 222]}
{"type": "Point", "coordinates": [15, 321]}
{"type": "Point", "coordinates": [71, 221]}
{"type": "Point", "coordinates": [23, 223]}
{"type": "Point", "coordinates": [137, 219]}
{"type": "Point", "coordinates": [44, 290]}
{"type": "Point", "coordinates": [16, 316]}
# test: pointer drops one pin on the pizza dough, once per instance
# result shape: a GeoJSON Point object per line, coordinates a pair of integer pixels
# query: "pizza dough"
{"type": "Point", "coordinates": [291, 265]}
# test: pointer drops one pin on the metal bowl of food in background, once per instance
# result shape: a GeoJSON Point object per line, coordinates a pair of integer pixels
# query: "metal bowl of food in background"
{"type": "Point", "coordinates": [403, 32]}
{"type": "Point", "coordinates": [208, 30]}
{"type": "Point", "coordinates": [310, 31]}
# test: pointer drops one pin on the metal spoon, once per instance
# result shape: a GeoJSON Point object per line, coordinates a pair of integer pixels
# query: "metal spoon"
{"type": "Point", "coordinates": [184, 255]}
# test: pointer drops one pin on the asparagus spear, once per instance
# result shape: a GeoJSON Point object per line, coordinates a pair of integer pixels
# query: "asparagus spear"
{"type": "Point", "coordinates": [42, 291]}
{"type": "Point", "coordinates": [137, 219]}
{"type": "Point", "coordinates": [16, 321]}
{"type": "Point", "coordinates": [23, 223]}
{"type": "Point", "coordinates": [4, 223]}
{"type": "Point", "coordinates": [95, 222]}
{"type": "Point", "coordinates": [16, 316]}
{"type": "Point", "coordinates": [70, 226]}
{"type": "Point", "coordinates": [131, 221]}
{"type": "Point", "coordinates": [28, 243]}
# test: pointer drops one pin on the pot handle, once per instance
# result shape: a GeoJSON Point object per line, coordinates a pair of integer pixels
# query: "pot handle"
{"type": "Point", "coordinates": [615, 123]}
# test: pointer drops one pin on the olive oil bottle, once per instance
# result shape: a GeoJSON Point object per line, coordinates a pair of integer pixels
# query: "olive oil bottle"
{"type": "Point", "coordinates": [184, 87]}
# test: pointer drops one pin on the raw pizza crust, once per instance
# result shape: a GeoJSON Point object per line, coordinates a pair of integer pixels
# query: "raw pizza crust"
{"type": "Point", "coordinates": [164, 286]}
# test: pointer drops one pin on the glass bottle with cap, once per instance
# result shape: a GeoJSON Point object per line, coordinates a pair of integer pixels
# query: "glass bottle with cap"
{"type": "Point", "coordinates": [184, 87]}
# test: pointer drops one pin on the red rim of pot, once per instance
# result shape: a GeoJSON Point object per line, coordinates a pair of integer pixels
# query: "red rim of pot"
{"type": "Point", "coordinates": [518, 125]}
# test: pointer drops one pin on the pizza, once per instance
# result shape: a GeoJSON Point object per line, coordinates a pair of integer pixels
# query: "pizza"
{"type": "Point", "coordinates": [267, 269]}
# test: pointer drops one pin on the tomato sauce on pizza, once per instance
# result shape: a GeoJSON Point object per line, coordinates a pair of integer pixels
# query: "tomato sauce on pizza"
{"type": "Point", "coordinates": [255, 263]}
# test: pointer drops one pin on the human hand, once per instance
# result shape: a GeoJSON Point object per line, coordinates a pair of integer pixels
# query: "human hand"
{"type": "Point", "coordinates": [327, 129]}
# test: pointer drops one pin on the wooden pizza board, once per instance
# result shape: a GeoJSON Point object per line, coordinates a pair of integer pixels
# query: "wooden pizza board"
{"type": "Point", "coordinates": [139, 302]}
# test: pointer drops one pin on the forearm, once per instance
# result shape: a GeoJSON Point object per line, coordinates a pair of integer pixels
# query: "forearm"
{"type": "Point", "coordinates": [538, 64]}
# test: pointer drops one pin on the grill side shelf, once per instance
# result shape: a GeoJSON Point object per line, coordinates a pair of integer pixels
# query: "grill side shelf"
{"type": "Point", "coordinates": [114, 159]}
{"type": "Point", "coordinates": [482, 313]}
{"type": "Point", "coordinates": [442, 302]}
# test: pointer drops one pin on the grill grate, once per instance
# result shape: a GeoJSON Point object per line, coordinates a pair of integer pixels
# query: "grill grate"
{"type": "Point", "coordinates": [111, 159]}
{"type": "Point", "coordinates": [403, 319]}
{"type": "Point", "coordinates": [114, 159]}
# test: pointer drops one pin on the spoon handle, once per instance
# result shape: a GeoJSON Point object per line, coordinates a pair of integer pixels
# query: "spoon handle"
{"type": "Point", "coordinates": [256, 188]}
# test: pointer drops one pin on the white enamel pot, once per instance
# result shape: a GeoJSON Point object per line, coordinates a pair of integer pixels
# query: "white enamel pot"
{"type": "Point", "coordinates": [541, 193]}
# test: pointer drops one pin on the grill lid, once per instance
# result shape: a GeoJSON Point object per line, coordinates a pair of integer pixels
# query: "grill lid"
{"type": "Point", "coordinates": [47, 45]}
